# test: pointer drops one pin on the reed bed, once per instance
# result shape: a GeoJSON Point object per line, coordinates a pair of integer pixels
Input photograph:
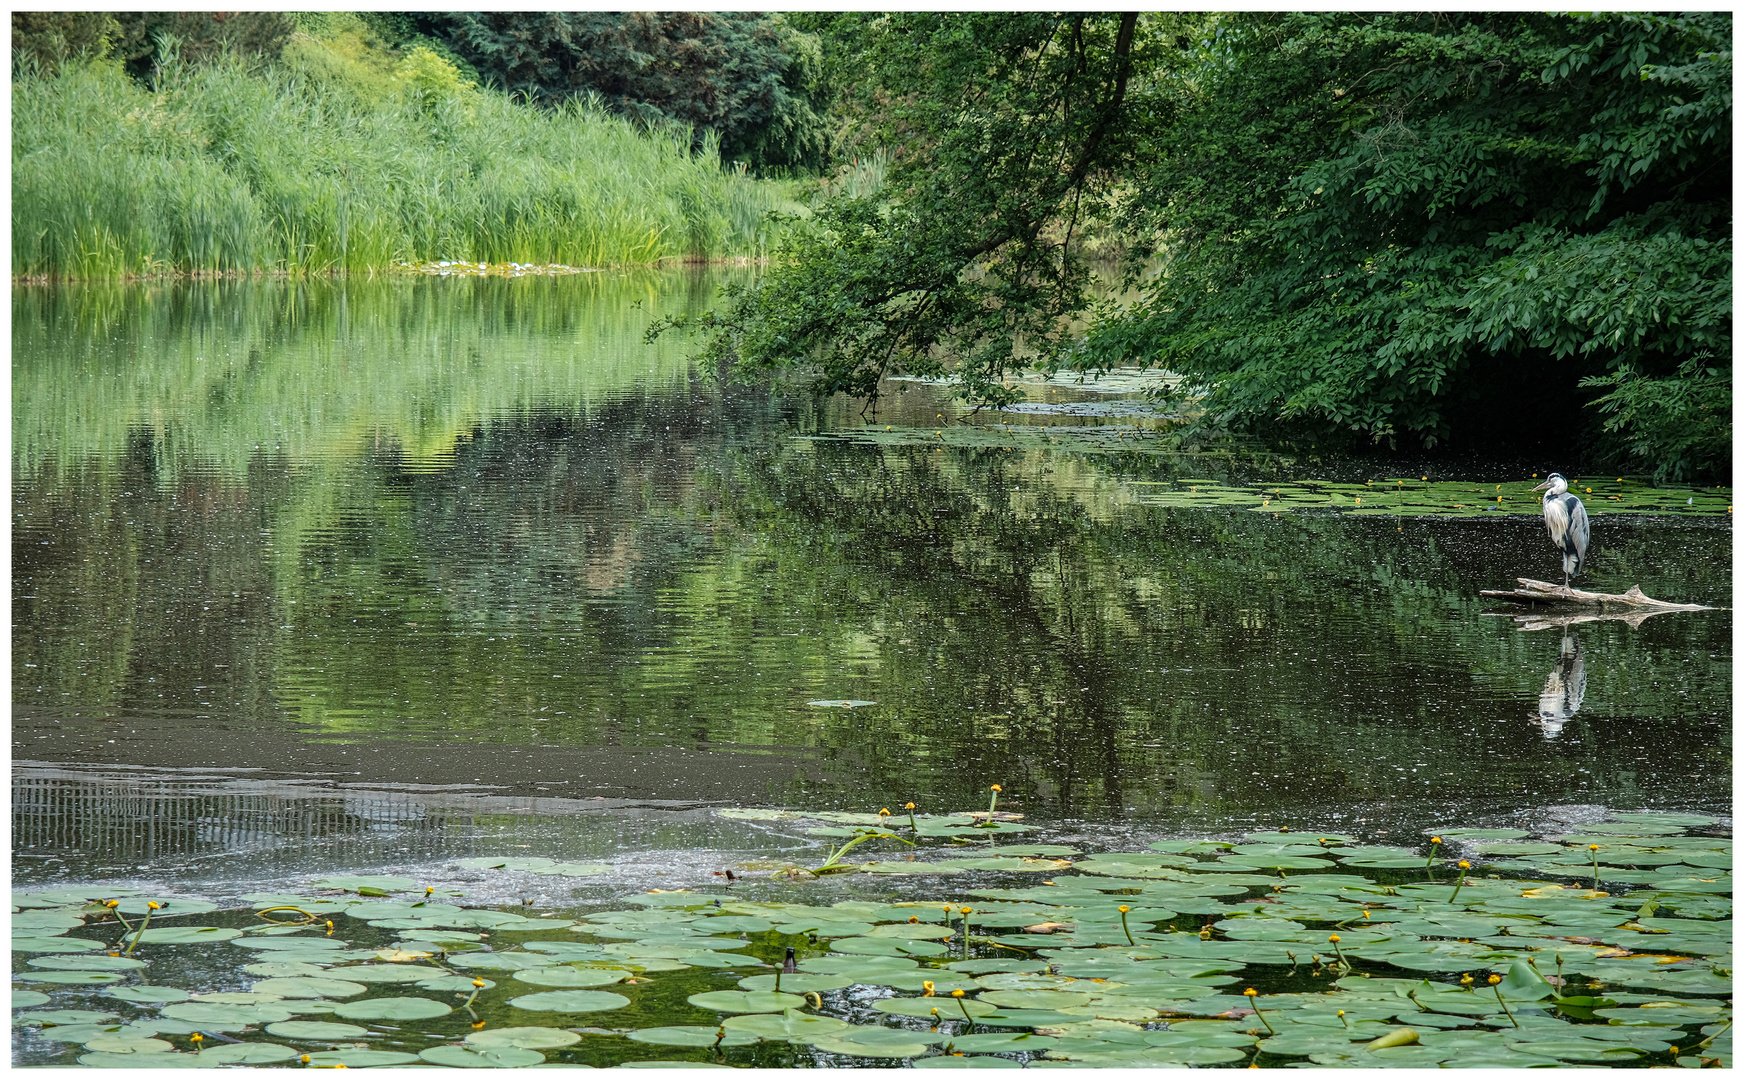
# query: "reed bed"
{"type": "Point", "coordinates": [227, 169]}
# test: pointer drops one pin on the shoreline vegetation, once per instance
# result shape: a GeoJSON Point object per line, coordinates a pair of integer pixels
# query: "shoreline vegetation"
{"type": "Point", "coordinates": [336, 161]}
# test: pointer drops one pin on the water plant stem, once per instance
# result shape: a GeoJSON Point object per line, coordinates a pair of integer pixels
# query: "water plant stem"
{"type": "Point", "coordinates": [1434, 846]}
{"type": "Point", "coordinates": [1495, 984]}
{"type": "Point", "coordinates": [151, 906]}
{"type": "Point", "coordinates": [1463, 867]}
{"type": "Point", "coordinates": [992, 805]}
{"type": "Point", "coordinates": [1335, 939]}
{"type": "Point", "coordinates": [1593, 852]}
{"type": "Point", "coordinates": [1123, 909]}
{"type": "Point", "coordinates": [308, 917]}
{"type": "Point", "coordinates": [870, 834]}
{"type": "Point", "coordinates": [967, 1019]}
{"type": "Point", "coordinates": [1253, 997]}
{"type": "Point", "coordinates": [114, 907]}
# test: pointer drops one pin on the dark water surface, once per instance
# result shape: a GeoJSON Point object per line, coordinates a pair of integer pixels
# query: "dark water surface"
{"type": "Point", "coordinates": [367, 573]}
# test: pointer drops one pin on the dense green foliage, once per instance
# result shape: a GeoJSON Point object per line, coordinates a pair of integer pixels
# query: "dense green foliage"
{"type": "Point", "coordinates": [1441, 229]}
{"type": "Point", "coordinates": [749, 78]}
{"type": "Point", "coordinates": [1452, 223]}
{"type": "Point", "coordinates": [966, 252]}
{"type": "Point", "coordinates": [341, 157]}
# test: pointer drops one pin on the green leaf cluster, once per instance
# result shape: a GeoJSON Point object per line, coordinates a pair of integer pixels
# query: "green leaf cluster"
{"type": "Point", "coordinates": [1431, 227]}
{"type": "Point", "coordinates": [1442, 229]}
{"type": "Point", "coordinates": [748, 77]}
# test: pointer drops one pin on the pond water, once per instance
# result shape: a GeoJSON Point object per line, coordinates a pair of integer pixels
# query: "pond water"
{"type": "Point", "coordinates": [381, 573]}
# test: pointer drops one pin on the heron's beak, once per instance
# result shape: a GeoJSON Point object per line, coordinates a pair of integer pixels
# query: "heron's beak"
{"type": "Point", "coordinates": [1542, 486]}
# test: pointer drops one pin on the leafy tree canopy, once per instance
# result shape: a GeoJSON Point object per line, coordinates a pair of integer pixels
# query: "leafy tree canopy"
{"type": "Point", "coordinates": [1426, 227]}
{"type": "Point", "coordinates": [751, 78]}
{"type": "Point", "coordinates": [138, 38]}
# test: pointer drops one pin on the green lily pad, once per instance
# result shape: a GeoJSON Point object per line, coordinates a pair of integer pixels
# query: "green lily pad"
{"type": "Point", "coordinates": [392, 1008]}
{"type": "Point", "coordinates": [1029, 1018]}
{"type": "Point", "coordinates": [505, 863]}
{"type": "Point", "coordinates": [87, 963]}
{"type": "Point", "coordinates": [948, 1061]}
{"type": "Point", "coordinates": [224, 1017]}
{"type": "Point", "coordinates": [745, 1001]}
{"type": "Point", "coordinates": [28, 999]}
{"type": "Point", "coordinates": [800, 982]}
{"type": "Point", "coordinates": [71, 978]}
{"type": "Point", "coordinates": [840, 703]}
{"type": "Point", "coordinates": [791, 1026]}
{"type": "Point", "coordinates": [456, 984]}
{"type": "Point", "coordinates": [1001, 1042]}
{"type": "Point", "coordinates": [249, 1053]}
{"type": "Point", "coordinates": [44, 944]}
{"type": "Point", "coordinates": [76, 1033]}
{"type": "Point", "coordinates": [149, 995]}
{"type": "Point", "coordinates": [1574, 1049]}
{"type": "Point", "coordinates": [572, 1001]}
{"type": "Point", "coordinates": [289, 944]}
{"type": "Point", "coordinates": [357, 1059]}
{"type": "Point", "coordinates": [310, 987]}
{"type": "Point", "coordinates": [873, 1041]}
{"type": "Point", "coordinates": [1035, 999]}
{"type": "Point", "coordinates": [50, 921]}
{"type": "Point", "coordinates": [393, 973]}
{"type": "Point", "coordinates": [562, 975]}
{"type": "Point", "coordinates": [358, 882]}
{"type": "Point", "coordinates": [1669, 819]}
{"type": "Point", "coordinates": [316, 1030]}
{"type": "Point", "coordinates": [99, 1059]}
{"type": "Point", "coordinates": [275, 969]}
{"type": "Point", "coordinates": [65, 1017]}
{"type": "Point", "coordinates": [525, 1038]}
{"type": "Point", "coordinates": [563, 950]}
{"type": "Point", "coordinates": [575, 869]}
{"type": "Point", "coordinates": [694, 1035]}
{"type": "Point", "coordinates": [122, 1043]}
{"type": "Point", "coordinates": [871, 946]}
{"type": "Point", "coordinates": [950, 1008]}
{"type": "Point", "coordinates": [911, 931]}
{"type": "Point", "coordinates": [467, 1057]}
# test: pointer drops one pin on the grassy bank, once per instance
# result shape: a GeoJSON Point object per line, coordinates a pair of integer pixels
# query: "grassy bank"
{"type": "Point", "coordinates": [321, 163]}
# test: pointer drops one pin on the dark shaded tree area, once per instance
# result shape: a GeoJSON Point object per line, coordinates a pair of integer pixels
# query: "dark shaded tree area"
{"type": "Point", "coordinates": [749, 77]}
{"type": "Point", "coordinates": [1451, 228]}
{"type": "Point", "coordinates": [1442, 230]}
{"type": "Point", "coordinates": [137, 38]}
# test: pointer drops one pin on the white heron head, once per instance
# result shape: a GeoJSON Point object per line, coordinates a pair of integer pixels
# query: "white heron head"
{"type": "Point", "coordinates": [1555, 483]}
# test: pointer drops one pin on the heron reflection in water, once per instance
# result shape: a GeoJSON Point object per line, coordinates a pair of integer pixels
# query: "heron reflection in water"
{"type": "Point", "coordinates": [1564, 690]}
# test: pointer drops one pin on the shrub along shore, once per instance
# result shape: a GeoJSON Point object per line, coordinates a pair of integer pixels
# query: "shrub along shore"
{"type": "Point", "coordinates": [234, 169]}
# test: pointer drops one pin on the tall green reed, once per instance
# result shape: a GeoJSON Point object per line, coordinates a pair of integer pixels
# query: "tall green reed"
{"type": "Point", "coordinates": [229, 168]}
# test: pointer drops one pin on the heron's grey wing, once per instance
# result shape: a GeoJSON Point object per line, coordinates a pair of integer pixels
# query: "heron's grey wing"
{"type": "Point", "coordinates": [1556, 520]}
{"type": "Point", "coordinates": [1579, 529]}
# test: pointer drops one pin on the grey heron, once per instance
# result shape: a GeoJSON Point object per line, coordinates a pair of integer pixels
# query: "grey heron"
{"type": "Point", "coordinates": [1566, 521]}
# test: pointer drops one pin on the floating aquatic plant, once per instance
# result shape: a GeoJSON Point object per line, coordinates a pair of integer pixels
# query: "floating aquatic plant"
{"type": "Point", "coordinates": [1171, 956]}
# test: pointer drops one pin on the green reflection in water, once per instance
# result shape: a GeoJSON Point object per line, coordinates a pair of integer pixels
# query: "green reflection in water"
{"type": "Point", "coordinates": [482, 514]}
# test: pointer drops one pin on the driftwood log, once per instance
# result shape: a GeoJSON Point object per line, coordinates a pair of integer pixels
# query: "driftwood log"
{"type": "Point", "coordinates": [1543, 592]}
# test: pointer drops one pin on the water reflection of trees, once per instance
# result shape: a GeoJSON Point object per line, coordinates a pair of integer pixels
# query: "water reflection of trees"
{"type": "Point", "coordinates": [472, 511]}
